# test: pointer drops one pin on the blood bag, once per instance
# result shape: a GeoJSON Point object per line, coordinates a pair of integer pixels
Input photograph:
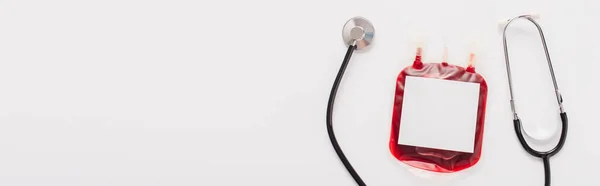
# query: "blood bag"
{"type": "Point", "coordinates": [438, 116]}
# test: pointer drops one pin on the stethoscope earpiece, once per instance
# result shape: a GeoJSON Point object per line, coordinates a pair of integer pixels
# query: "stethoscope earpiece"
{"type": "Point", "coordinates": [519, 130]}
{"type": "Point", "coordinates": [358, 31]}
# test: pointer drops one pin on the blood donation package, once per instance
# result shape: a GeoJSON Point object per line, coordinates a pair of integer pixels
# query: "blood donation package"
{"type": "Point", "coordinates": [438, 116]}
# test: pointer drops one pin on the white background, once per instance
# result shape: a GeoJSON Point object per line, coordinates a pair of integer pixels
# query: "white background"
{"type": "Point", "coordinates": [133, 92]}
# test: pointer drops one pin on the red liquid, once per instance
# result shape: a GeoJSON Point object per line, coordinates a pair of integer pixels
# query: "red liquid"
{"type": "Point", "coordinates": [435, 159]}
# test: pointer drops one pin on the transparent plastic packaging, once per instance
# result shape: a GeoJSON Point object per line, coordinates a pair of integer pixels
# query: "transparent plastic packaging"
{"type": "Point", "coordinates": [437, 160]}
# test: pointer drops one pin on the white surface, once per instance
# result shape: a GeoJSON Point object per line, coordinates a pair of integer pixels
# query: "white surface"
{"type": "Point", "coordinates": [182, 92]}
{"type": "Point", "coordinates": [439, 114]}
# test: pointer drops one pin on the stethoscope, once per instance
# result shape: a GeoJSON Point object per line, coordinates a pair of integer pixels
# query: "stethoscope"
{"type": "Point", "coordinates": [358, 35]}
{"type": "Point", "coordinates": [545, 156]}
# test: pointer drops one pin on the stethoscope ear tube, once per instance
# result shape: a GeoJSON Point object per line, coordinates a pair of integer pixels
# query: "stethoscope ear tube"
{"type": "Point", "coordinates": [545, 156]}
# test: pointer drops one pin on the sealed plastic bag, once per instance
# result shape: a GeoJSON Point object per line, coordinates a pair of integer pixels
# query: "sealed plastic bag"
{"type": "Point", "coordinates": [432, 159]}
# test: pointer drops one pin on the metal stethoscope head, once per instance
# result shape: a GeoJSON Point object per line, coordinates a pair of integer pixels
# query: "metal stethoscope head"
{"type": "Point", "coordinates": [358, 34]}
{"type": "Point", "coordinates": [545, 156]}
{"type": "Point", "coordinates": [358, 31]}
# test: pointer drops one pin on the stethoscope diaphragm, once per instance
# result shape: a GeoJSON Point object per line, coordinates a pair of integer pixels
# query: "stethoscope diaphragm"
{"type": "Point", "coordinates": [358, 31]}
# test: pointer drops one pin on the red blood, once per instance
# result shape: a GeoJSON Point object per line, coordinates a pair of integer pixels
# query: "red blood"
{"type": "Point", "coordinates": [435, 159]}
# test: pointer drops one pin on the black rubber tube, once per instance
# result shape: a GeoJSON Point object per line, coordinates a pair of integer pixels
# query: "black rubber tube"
{"type": "Point", "coordinates": [330, 104]}
{"type": "Point", "coordinates": [545, 156]}
{"type": "Point", "coordinates": [547, 177]}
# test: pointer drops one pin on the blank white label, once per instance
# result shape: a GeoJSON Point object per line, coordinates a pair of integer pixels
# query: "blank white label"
{"type": "Point", "coordinates": [439, 114]}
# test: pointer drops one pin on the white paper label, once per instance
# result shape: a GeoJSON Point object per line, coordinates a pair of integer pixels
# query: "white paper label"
{"type": "Point", "coordinates": [439, 114]}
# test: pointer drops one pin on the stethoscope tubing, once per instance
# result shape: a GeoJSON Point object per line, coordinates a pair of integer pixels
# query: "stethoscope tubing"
{"type": "Point", "coordinates": [544, 155]}
{"type": "Point", "coordinates": [329, 117]}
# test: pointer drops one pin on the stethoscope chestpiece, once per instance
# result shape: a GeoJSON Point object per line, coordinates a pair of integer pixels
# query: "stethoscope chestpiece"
{"type": "Point", "coordinates": [358, 34]}
{"type": "Point", "coordinates": [358, 31]}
